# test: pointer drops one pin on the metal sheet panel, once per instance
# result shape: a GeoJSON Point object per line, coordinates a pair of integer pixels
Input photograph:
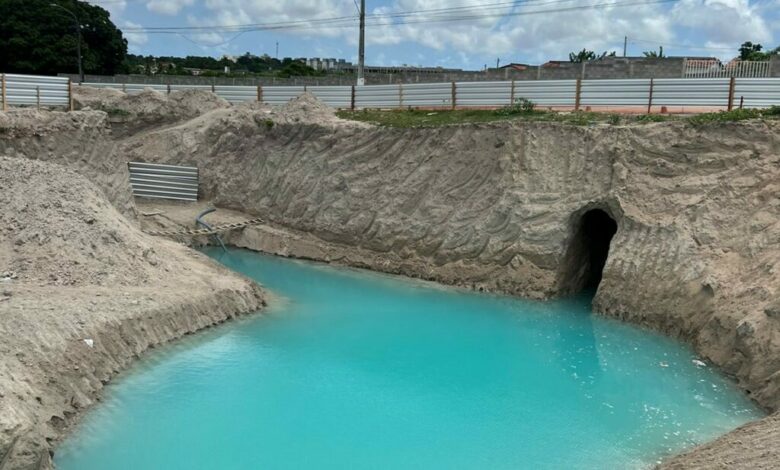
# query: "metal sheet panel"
{"type": "Point", "coordinates": [757, 92]}
{"type": "Point", "coordinates": [34, 90]}
{"type": "Point", "coordinates": [236, 94]}
{"type": "Point", "coordinates": [483, 94]}
{"type": "Point", "coordinates": [547, 92]}
{"type": "Point", "coordinates": [277, 95]}
{"type": "Point", "coordinates": [333, 96]}
{"type": "Point", "coordinates": [691, 92]}
{"type": "Point", "coordinates": [164, 181]}
{"type": "Point", "coordinates": [634, 92]}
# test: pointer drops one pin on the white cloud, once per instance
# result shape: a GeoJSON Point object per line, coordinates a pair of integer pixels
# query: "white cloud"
{"type": "Point", "coordinates": [168, 7]}
{"type": "Point", "coordinates": [722, 22]}
{"type": "Point", "coordinates": [115, 8]}
{"type": "Point", "coordinates": [535, 32]}
{"type": "Point", "coordinates": [134, 39]}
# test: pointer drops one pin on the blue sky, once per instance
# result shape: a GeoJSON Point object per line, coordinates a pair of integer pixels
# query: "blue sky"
{"type": "Point", "coordinates": [533, 34]}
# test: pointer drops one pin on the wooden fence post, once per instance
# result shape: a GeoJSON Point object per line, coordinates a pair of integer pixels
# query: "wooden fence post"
{"type": "Point", "coordinates": [5, 101]}
{"type": "Point", "coordinates": [38, 97]}
{"type": "Point", "coordinates": [352, 100]}
{"type": "Point", "coordinates": [259, 93]}
{"type": "Point", "coordinates": [213, 87]}
{"type": "Point", "coordinates": [168, 88]}
{"type": "Point", "coordinates": [124, 88]}
{"type": "Point", "coordinates": [578, 94]}
{"type": "Point", "coordinates": [70, 95]}
{"type": "Point", "coordinates": [400, 95]}
{"type": "Point", "coordinates": [741, 101]}
{"type": "Point", "coordinates": [650, 98]}
{"type": "Point", "coordinates": [512, 94]}
{"type": "Point", "coordinates": [454, 96]}
{"type": "Point", "coordinates": [732, 84]}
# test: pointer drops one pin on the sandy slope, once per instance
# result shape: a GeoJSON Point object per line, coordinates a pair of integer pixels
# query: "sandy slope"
{"type": "Point", "coordinates": [82, 293]}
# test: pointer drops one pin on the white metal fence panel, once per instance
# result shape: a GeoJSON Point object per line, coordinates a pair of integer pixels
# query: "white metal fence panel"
{"type": "Point", "coordinates": [333, 96]}
{"type": "Point", "coordinates": [236, 94]}
{"type": "Point", "coordinates": [164, 181]}
{"type": "Point", "coordinates": [190, 87]}
{"type": "Point", "coordinates": [278, 95]}
{"type": "Point", "coordinates": [427, 95]}
{"type": "Point", "coordinates": [615, 92]}
{"type": "Point", "coordinates": [704, 92]}
{"type": "Point", "coordinates": [36, 90]}
{"type": "Point", "coordinates": [129, 88]}
{"type": "Point", "coordinates": [483, 94]}
{"type": "Point", "coordinates": [547, 92]}
{"type": "Point", "coordinates": [757, 92]}
{"type": "Point", "coordinates": [686, 92]}
{"type": "Point", "coordinates": [378, 96]}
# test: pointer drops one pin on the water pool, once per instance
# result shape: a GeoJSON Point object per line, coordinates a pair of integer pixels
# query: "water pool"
{"type": "Point", "coordinates": [350, 369]}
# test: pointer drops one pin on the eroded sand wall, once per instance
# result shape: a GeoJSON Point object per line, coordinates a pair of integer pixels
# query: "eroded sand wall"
{"type": "Point", "coordinates": [696, 254]}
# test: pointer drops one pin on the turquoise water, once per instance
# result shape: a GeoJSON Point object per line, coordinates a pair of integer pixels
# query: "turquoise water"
{"type": "Point", "coordinates": [354, 370]}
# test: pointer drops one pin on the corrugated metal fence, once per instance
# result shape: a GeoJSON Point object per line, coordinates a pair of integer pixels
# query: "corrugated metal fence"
{"type": "Point", "coordinates": [643, 93]}
{"type": "Point", "coordinates": [34, 90]}
{"type": "Point", "coordinates": [723, 93]}
{"type": "Point", "coordinates": [164, 181]}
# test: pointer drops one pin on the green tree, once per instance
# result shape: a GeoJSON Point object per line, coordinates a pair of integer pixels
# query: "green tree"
{"type": "Point", "coordinates": [583, 56]}
{"type": "Point", "coordinates": [586, 56]}
{"type": "Point", "coordinates": [750, 51]}
{"type": "Point", "coordinates": [36, 37]}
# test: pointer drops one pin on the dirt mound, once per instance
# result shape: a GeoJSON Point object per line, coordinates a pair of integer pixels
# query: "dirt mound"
{"type": "Point", "coordinates": [57, 228]}
{"type": "Point", "coordinates": [306, 108]}
{"type": "Point", "coordinates": [149, 107]}
{"type": "Point", "coordinates": [96, 98]}
{"type": "Point", "coordinates": [83, 292]}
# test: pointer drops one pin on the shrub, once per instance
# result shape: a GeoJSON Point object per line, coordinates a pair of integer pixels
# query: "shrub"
{"type": "Point", "coordinates": [520, 106]}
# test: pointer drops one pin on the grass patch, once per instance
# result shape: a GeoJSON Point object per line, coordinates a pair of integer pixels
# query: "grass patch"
{"type": "Point", "coordinates": [406, 118]}
{"type": "Point", "coordinates": [735, 115]}
{"type": "Point", "coordinates": [116, 112]}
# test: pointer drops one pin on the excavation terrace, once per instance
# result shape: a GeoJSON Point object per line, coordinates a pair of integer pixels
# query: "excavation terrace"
{"type": "Point", "coordinates": [673, 226]}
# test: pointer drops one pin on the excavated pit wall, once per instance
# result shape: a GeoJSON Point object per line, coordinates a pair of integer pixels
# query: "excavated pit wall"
{"type": "Point", "coordinates": [495, 207]}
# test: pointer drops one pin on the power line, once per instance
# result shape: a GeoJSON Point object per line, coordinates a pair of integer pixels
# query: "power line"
{"type": "Point", "coordinates": [349, 21]}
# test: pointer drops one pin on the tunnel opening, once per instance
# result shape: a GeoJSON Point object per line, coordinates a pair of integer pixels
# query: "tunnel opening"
{"type": "Point", "coordinates": [587, 252]}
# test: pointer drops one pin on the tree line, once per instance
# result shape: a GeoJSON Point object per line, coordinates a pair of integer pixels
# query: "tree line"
{"type": "Point", "coordinates": [41, 37]}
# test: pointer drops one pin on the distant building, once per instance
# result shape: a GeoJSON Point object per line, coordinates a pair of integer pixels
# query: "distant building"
{"type": "Point", "coordinates": [515, 66]}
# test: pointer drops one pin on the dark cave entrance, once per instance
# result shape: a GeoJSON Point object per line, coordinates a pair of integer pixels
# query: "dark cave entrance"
{"type": "Point", "coordinates": [587, 252]}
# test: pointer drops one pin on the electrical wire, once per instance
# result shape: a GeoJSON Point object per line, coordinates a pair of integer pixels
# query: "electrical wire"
{"type": "Point", "coordinates": [380, 20]}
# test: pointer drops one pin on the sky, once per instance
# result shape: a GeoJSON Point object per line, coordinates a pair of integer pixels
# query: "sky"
{"type": "Point", "coordinates": [527, 31]}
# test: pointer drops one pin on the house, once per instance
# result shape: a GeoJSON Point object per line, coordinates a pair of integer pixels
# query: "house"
{"type": "Point", "coordinates": [515, 66]}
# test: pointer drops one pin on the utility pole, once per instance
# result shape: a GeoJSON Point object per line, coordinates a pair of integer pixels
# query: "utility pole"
{"type": "Point", "coordinates": [78, 37]}
{"type": "Point", "coordinates": [625, 45]}
{"type": "Point", "coordinates": [497, 59]}
{"type": "Point", "coordinates": [277, 50]}
{"type": "Point", "coordinates": [361, 80]}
